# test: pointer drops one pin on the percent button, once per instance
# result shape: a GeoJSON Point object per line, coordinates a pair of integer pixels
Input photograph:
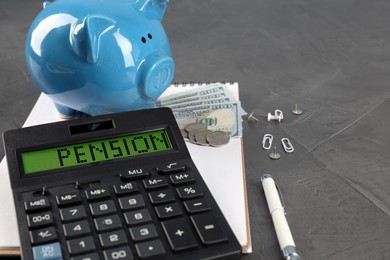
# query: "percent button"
{"type": "Point", "coordinates": [188, 192]}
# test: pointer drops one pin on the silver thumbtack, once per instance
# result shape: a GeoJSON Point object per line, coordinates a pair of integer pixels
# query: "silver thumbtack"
{"type": "Point", "coordinates": [296, 111]}
{"type": "Point", "coordinates": [274, 155]}
{"type": "Point", "coordinates": [277, 117]}
{"type": "Point", "coordinates": [252, 117]}
{"type": "Point", "coordinates": [273, 117]}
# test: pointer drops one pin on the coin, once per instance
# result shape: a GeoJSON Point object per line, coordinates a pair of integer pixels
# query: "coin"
{"type": "Point", "coordinates": [194, 126]}
{"type": "Point", "coordinates": [200, 137]}
{"type": "Point", "coordinates": [184, 133]}
{"type": "Point", "coordinates": [218, 138]}
{"type": "Point", "coordinates": [191, 137]}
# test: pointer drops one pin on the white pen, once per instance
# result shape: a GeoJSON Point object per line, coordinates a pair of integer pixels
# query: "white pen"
{"type": "Point", "coordinates": [278, 214]}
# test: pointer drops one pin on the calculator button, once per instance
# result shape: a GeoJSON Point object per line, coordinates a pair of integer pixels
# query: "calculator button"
{"type": "Point", "coordinates": [172, 167]}
{"type": "Point", "coordinates": [196, 205]}
{"type": "Point", "coordinates": [155, 183]}
{"type": "Point", "coordinates": [143, 232]}
{"type": "Point", "coordinates": [181, 178]}
{"type": "Point", "coordinates": [168, 210]}
{"type": "Point", "coordinates": [179, 234]}
{"type": "Point", "coordinates": [107, 223]}
{"type": "Point", "coordinates": [131, 202]}
{"type": "Point", "coordinates": [36, 204]}
{"type": "Point", "coordinates": [152, 248]}
{"type": "Point", "coordinates": [118, 253]}
{"type": "Point", "coordinates": [73, 213]}
{"type": "Point", "coordinates": [208, 229]}
{"type": "Point", "coordinates": [48, 251]}
{"type": "Point", "coordinates": [102, 208]}
{"type": "Point", "coordinates": [43, 235]}
{"type": "Point", "coordinates": [68, 198]}
{"type": "Point", "coordinates": [97, 193]}
{"type": "Point", "coordinates": [126, 188]}
{"type": "Point", "coordinates": [76, 229]}
{"type": "Point", "coordinates": [114, 238]}
{"type": "Point", "coordinates": [163, 196]}
{"type": "Point", "coordinates": [91, 256]}
{"type": "Point", "coordinates": [137, 217]}
{"type": "Point", "coordinates": [134, 174]}
{"type": "Point", "coordinates": [87, 184]}
{"type": "Point", "coordinates": [81, 245]}
{"type": "Point", "coordinates": [39, 219]}
{"type": "Point", "coordinates": [188, 192]}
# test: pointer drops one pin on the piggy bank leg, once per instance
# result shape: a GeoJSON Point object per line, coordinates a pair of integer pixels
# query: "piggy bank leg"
{"type": "Point", "coordinates": [65, 112]}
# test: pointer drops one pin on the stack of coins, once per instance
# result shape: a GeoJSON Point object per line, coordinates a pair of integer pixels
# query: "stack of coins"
{"type": "Point", "coordinates": [199, 134]}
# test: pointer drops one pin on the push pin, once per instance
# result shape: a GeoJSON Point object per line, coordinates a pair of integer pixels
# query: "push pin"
{"type": "Point", "coordinates": [251, 117]}
{"type": "Point", "coordinates": [278, 115]}
{"type": "Point", "coordinates": [296, 111]}
{"type": "Point", "coordinates": [274, 155]}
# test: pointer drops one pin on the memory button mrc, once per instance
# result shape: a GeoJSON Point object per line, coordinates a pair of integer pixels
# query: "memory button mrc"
{"type": "Point", "coordinates": [36, 204]}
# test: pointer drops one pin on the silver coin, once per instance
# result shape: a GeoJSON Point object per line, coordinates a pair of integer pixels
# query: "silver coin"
{"type": "Point", "coordinates": [200, 137]}
{"type": "Point", "coordinates": [218, 138]}
{"type": "Point", "coordinates": [194, 126]}
{"type": "Point", "coordinates": [191, 137]}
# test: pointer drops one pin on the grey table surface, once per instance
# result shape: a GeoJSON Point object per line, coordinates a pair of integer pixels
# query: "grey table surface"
{"type": "Point", "coordinates": [331, 57]}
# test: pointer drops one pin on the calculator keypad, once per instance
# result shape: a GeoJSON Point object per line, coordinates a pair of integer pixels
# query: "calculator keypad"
{"type": "Point", "coordinates": [127, 219]}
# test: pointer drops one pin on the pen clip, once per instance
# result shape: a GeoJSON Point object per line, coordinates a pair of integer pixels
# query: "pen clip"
{"type": "Point", "coordinates": [281, 198]}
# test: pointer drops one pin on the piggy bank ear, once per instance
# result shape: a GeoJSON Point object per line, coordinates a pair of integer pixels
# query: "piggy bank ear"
{"type": "Point", "coordinates": [85, 36]}
{"type": "Point", "coordinates": [152, 9]}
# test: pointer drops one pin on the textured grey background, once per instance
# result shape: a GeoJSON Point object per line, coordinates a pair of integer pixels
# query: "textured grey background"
{"type": "Point", "coordinates": [331, 57]}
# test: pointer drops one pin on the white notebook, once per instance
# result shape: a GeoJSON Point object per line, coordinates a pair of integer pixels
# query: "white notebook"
{"type": "Point", "coordinates": [221, 168]}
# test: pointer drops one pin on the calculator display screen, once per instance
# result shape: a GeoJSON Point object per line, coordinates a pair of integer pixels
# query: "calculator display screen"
{"type": "Point", "coordinates": [95, 151]}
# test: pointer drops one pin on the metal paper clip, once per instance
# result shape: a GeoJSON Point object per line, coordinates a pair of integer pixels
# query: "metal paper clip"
{"type": "Point", "coordinates": [288, 148]}
{"type": "Point", "coordinates": [267, 141]}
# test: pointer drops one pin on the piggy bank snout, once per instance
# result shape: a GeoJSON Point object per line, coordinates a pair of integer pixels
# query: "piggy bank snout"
{"type": "Point", "coordinates": [158, 71]}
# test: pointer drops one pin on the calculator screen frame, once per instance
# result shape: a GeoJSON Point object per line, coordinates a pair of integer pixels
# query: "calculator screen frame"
{"type": "Point", "coordinates": [126, 123]}
{"type": "Point", "coordinates": [22, 152]}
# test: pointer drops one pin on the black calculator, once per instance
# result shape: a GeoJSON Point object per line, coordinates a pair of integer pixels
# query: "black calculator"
{"type": "Point", "coordinates": [118, 186]}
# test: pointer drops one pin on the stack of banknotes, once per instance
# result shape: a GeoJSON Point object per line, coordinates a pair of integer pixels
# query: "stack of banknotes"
{"type": "Point", "coordinates": [213, 105]}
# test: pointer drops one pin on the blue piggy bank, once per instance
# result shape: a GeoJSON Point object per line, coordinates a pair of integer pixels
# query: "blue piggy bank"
{"type": "Point", "coordinates": [100, 56]}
